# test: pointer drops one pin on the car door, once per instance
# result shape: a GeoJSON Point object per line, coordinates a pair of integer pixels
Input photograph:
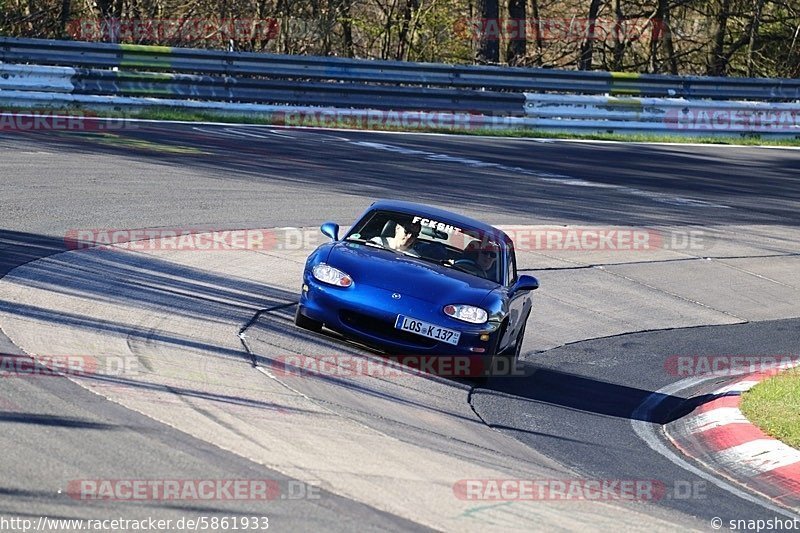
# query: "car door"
{"type": "Point", "coordinates": [519, 303]}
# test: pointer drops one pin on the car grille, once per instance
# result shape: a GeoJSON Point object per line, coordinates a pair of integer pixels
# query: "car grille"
{"type": "Point", "coordinates": [380, 328]}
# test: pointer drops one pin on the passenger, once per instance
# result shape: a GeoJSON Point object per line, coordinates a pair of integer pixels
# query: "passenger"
{"type": "Point", "coordinates": [405, 236]}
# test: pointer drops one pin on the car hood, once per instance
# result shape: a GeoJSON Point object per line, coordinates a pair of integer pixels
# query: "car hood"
{"type": "Point", "coordinates": [406, 275]}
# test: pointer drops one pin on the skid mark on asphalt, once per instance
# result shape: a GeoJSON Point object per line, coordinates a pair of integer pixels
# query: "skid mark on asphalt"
{"type": "Point", "coordinates": [547, 177]}
{"type": "Point", "coordinates": [544, 176]}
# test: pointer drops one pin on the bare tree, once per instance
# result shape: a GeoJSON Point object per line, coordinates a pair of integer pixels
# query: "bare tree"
{"type": "Point", "coordinates": [662, 39]}
{"type": "Point", "coordinates": [755, 22]}
{"type": "Point", "coordinates": [66, 8]}
{"type": "Point", "coordinates": [538, 38]}
{"type": "Point", "coordinates": [409, 9]}
{"type": "Point", "coordinates": [517, 43]}
{"type": "Point", "coordinates": [718, 62]}
{"type": "Point", "coordinates": [587, 47]}
{"type": "Point", "coordinates": [489, 50]}
{"type": "Point", "coordinates": [347, 28]}
{"type": "Point", "coordinates": [619, 36]}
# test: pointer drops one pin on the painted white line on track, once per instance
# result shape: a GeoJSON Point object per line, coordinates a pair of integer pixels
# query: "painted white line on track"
{"type": "Point", "coordinates": [540, 140]}
{"type": "Point", "coordinates": [738, 387]}
{"type": "Point", "coordinates": [757, 457]}
{"type": "Point", "coordinates": [219, 133]}
{"type": "Point", "coordinates": [648, 432]}
{"type": "Point", "coordinates": [675, 144]}
{"type": "Point", "coordinates": [715, 418]}
{"type": "Point", "coordinates": [258, 134]}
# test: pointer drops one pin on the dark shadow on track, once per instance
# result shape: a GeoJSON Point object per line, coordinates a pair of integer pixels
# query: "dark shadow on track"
{"type": "Point", "coordinates": [133, 280]}
{"type": "Point", "coordinates": [18, 248]}
{"type": "Point", "coordinates": [589, 395]}
{"type": "Point", "coordinates": [52, 421]}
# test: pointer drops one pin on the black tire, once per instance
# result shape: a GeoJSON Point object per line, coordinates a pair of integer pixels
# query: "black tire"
{"type": "Point", "coordinates": [517, 348]}
{"type": "Point", "coordinates": [304, 322]}
{"type": "Point", "coordinates": [511, 354]}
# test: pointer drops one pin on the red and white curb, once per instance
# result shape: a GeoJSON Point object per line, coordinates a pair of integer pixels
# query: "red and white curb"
{"type": "Point", "coordinates": [718, 435]}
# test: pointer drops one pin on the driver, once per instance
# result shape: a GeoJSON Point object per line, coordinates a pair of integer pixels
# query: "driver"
{"type": "Point", "coordinates": [405, 236]}
{"type": "Point", "coordinates": [484, 256]}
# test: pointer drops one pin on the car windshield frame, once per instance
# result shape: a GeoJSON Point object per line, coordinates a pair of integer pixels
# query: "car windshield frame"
{"type": "Point", "coordinates": [438, 242]}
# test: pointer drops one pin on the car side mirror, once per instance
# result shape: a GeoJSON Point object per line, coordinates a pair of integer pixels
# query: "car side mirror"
{"type": "Point", "coordinates": [525, 283]}
{"type": "Point", "coordinates": [331, 230]}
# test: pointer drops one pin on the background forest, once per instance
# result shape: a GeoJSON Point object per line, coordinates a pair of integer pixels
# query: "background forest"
{"type": "Point", "coordinates": [717, 37]}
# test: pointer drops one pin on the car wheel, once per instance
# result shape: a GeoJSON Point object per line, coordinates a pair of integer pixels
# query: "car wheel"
{"type": "Point", "coordinates": [508, 357]}
{"type": "Point", "coordinates": [513, 351]}
{"type": "Point", "coordinates": [304, 322]}
{"type": "Point", "coordinates": [511, 354]}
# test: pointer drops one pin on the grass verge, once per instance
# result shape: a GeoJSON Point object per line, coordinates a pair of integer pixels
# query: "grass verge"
{"type": "Point", "coordinates": [774, 406]}
{"type": "Point", "coordinates": [159, 113]}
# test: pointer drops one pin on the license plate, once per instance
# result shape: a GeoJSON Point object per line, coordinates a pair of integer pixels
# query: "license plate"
{"type": "Point", "coordinates": [432, 331]}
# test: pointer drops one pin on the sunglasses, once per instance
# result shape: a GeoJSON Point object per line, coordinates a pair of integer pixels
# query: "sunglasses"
{"type": "Point", "coordinates": [493, 255]}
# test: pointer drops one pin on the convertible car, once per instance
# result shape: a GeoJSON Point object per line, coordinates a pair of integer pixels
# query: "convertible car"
{"type": "Point", "coordinates": [413, 279]}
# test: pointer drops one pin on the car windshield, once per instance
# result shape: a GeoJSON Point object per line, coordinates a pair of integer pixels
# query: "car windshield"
{"type": "Point", "coordinates": [439, 241]}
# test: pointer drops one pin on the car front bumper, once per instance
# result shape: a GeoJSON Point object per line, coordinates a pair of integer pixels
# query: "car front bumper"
{"type": "Point", "coordinates": [369, 315]}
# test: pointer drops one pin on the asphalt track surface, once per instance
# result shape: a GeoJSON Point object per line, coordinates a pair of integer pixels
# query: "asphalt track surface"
{"type": "Point", "coordinates": [577, 404]}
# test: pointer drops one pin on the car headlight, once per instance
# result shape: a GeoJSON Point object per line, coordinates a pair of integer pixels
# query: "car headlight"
{"type": "Point", "coordinates": [328, 274]}
{"type": "Point", "coordinates": [467, 313]}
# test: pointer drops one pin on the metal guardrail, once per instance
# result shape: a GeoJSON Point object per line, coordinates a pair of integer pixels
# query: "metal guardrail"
{"type": "Point", "coordinates": [214, 62]}
{"type": "Point", "coordinates": [140, 76]}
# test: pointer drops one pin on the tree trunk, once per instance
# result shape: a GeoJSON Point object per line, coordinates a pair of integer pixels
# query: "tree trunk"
{"type": "Point", "coordinates": [403, 44]}
{"type": "Point", "coordinates": [387, 32]}
{"type": "Point", "coordinates": [587, 48]}
{"type": "Point", "coordinates": [105, 7]}
{"type": "Point", "coordinates": [754, 24]}
{"type": "Point", "coordinates": [489, 51]}
{"type": "Point", "coordinates": [347, 28]}
{"type": "Point", "coordinates": [66, 7]}
{"type": "Point", "coordinates": [669, 46]}
{"type": "Point", "coordinates": [537, 24]}
{"type": "Point", "coordinates": [662, 39]}
{"type": "Point", "coordinates": [719, 62]}
{"type": "Point", "coordinates": [517, 43]}
{"type": "Point", "coordinates": [619, 36]}
{"type": "Point", "coordinates": [285, 11]}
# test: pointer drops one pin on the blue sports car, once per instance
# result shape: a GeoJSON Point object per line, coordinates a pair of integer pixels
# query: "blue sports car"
{"type": "Point", "coordinates": [414, 279]}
